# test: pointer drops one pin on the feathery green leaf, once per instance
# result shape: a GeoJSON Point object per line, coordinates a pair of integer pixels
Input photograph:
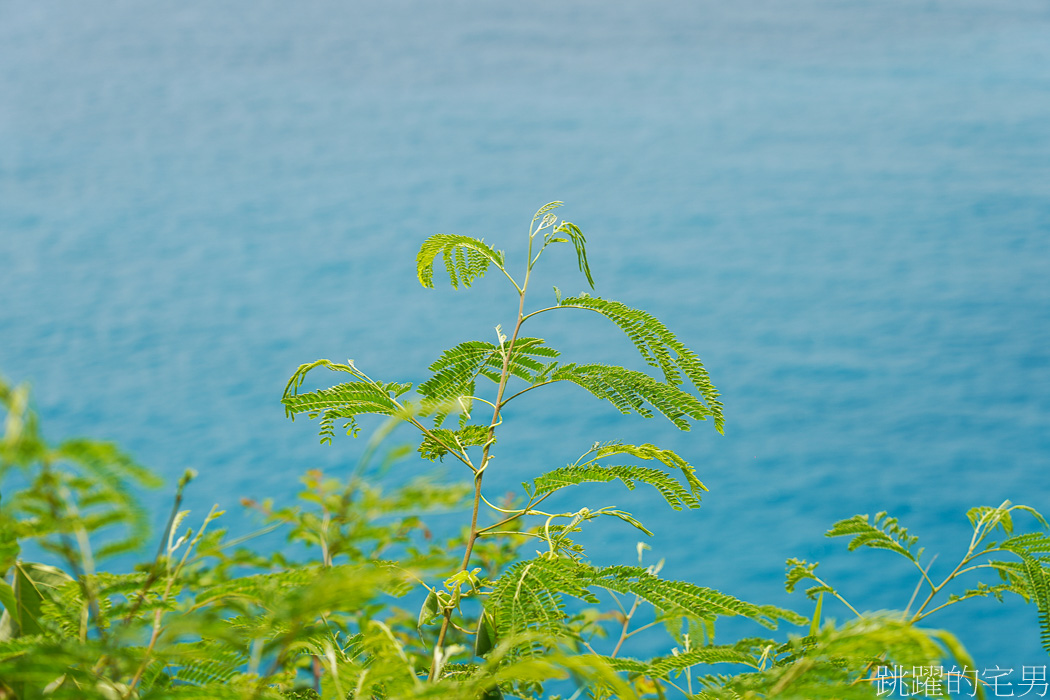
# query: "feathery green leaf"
{"type": "Point", "coordinates": [435, 446]}
{"type": "Point", "coordinates": [529, 596]}
{"type": "Point", "coordinates": [658, 346]}
{"type": "Point", "coordinates": [629, 390]}
{"type": "Point", "coordinates": [677, 597]}
{"type": "Point", "coordinates": [346, 401]}
{"type": "Point", "coordinates": [465, 258]}
{"type": "Point", "coordinates": [1037, 578]}
{"type": "Point", "coordinates": [579, 243]}
{"type": "Point", "coordinates": [456, 371]}
{"type": "Point", "coordinates": [672, 491]}
{"type": "Point", "coordinates": [661, 666]}
{"type": "Point", "coordinates": [882, 533]}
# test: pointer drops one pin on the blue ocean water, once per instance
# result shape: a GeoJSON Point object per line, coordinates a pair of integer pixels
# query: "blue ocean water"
{"type": "Point", "coordinates": [843, 206]}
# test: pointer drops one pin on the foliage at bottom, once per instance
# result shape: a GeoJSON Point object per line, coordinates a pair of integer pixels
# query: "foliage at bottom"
{"type": "Point", "coordinates": [365, 602]}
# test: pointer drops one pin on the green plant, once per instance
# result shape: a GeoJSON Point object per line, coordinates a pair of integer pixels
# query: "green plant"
{"type": "Point", "coordinates": [367, 603]}
{"type": "Point", "coordinates": [529, 597]}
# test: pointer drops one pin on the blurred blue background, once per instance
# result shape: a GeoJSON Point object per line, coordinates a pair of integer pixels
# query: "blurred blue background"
{"type": "Point", "coordinates": [843, 206]}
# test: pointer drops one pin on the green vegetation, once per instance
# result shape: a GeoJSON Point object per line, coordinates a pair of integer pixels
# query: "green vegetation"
{"type": "Point", "coordinates": [509, 608]}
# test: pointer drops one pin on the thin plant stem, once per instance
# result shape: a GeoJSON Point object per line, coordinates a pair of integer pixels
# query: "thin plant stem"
{"type": "Point", "coordinates": [485, 458]}
{"type": "Point", "coordinates": [918, 586]}
{"type": "Point", "coordinates": [626, 624]}
{"type": "Point", "coordinates": [837, 595]}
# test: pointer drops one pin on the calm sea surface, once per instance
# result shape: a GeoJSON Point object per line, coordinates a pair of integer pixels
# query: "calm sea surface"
{"type": "Point", "coordinates": [844, 207]}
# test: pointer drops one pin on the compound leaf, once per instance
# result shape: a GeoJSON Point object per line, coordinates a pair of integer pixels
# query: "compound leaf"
{"type": "Point", "coordinates": [629, 390]}
{"type": "Point", "coordinates": [465, 258]}
{"type": "Point", "coordinates": [658, 346]}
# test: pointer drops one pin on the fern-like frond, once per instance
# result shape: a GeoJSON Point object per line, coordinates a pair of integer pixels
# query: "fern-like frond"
{"type": "Point", "coordinates": [840, 662]}
{"type": "Point", "coordinates": [549, 206]}
{"type": "Point", "coordinates": [661, 666]}
{"type": "Point", "coordinates": [799, 570]}
{"type": "Point", "coordinates": [458, 366]}
{"type": "Point", "coordinates": [529, 596]}
{"type": "Point", "coordinates": [579, 243]}
{"type": "Point", "coordinates": [523, 359]}
{"type": "Point", "coordinates": [881, 533]}
{"type": "Point", "coordinates": [1030, 543]}
{"type": "Point", "coordinates": [791, 617]}
{"type": "Point", "coordinates": [658, 346]}
{"type": "Point", "coordinates": [1037, 578]}
{"type": "Point", "coordinates": [206, 662]}
{"type": "Point", "coordinates": [465, 259]}
{"type": "Point", "coordinates": [672, 491]}
{"type": "Point", "coordinates": [652, 452]}
{"type": "Point", "coordinates": [456, 371]}
{"type": "Point", "coordinates": [434, 445]}
{"type": "Point", "coordinates": [345, 402]}
{"type": "Point", "coordinates": [677, 597]}
{"type": "Point", "coordinates": [565, 232]}
{"type": "Point", "coordinates": [299, 376]}
{"type": "Point", "coordinates": [115, 595]}
{"type": "Point", "coordinates": [989, 518]}
{"type": "Point", "coordinates": [629, 390]}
